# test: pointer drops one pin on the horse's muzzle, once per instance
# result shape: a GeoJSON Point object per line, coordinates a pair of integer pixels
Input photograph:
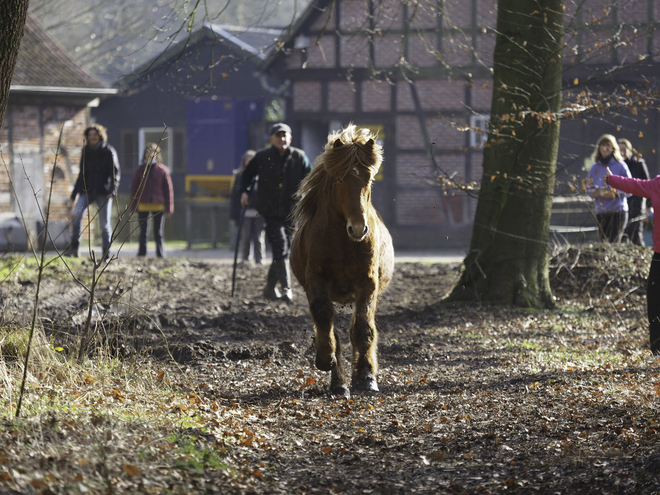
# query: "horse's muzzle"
{"type": "Point", "coordinates": [357, 233]}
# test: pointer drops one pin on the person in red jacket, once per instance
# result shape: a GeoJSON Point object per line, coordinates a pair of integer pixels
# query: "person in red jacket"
{"type": "Point", "coordinates": [152, 196]}
{"type": "Point", "coordinates": [649, 189]}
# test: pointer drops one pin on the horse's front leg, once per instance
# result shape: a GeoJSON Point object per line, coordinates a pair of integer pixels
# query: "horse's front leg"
{"type": "Point", "coordinates": [364, 339]}
{"type": "Point", "coordinates": [328, 345]}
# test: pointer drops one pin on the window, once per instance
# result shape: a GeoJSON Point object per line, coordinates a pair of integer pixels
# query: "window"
{"type": "Point", "coordinates": [163, 137]}
{"type": "Point", "coordinates": [478, 130]}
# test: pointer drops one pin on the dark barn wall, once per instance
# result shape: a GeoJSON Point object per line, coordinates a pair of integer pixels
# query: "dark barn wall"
{"type": "Point", "coordinates": [159, 98]}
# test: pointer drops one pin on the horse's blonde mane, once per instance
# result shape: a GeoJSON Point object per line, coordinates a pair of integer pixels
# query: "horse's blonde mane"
{"type": "Point", "coordinates": [358, 147]}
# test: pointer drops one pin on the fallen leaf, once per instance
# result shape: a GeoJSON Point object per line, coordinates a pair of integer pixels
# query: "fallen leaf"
{"type": "Point", "coordinates": [132, 470]}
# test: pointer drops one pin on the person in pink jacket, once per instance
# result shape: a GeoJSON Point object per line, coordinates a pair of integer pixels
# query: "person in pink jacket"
{"type": "Point", "coordinates": [152, 196]}
{"type": "Point", "coordinates": [646, 189]}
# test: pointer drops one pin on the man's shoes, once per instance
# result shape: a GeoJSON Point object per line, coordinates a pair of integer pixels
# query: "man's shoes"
{"type": "Point", "coordinates": [72, 251]}
{"type": "Point", "coordinates": [287, 295]}
{"type": "Point", "coordinates": [272, 294]}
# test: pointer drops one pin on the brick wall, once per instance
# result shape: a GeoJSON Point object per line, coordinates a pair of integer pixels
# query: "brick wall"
{"type": "Point", "coordinates": [26, 129]}
{"type": "Point", "coordinates": [456, 49]}
{"type": "Point", "coordinates": [423, 50]}
{"type": "Point", "coordinates": [408, 133]}
{"type": "Point", "coordinates": [327, 20]}
{"type": "Point", "coordinates": [477, 164]}
{"type": "Point", "coordinates": [596, 46]}
{"type": "Point", "coordinates": [633, 11]}
{"type": "Point", "coordinates": [376, 96]}
{"type": "Point", "coordinates": [423, 15]}
{"type": "Point", "coordinates": [457, 13]}
{"type": "Point", "coordinates": [29, 144]}
{"type": "Point", "coordinates": [307, 96]}
{"type": "Point", "coordinates": [453, 46]}
{"type": "Point", "coordinates": [68, 158]}
{"type": "Point", "coordinates": [324, 54]}
{"type": "Point", "coordinates": [633, 45]}
{"type": "Point", "coordinates": [441, 94]}
{"type": "Point", "coordinates": [451, 164]}
{"type": "Point", "coordinates": [341, 96]}
{"type": "Point", "coordinates": [486, 13]}
{"type": "Point", "coordinates": [571, 47]}
{"type": "Point", "coordinates": [597, 9]}
{"type": "Point", "coordinates": [656, 38]}
{"type": "Point", "coordinates": [387, 50]}
{"type": "Point", "coordinates": [388, 14]}
{"type": "Point", "coordinates": [482, 95]}
{"type": "Point", "coordinates": [486, 47]}
{"type": "Point", "coordinates": [446, 133]}
{"type": "Point", "coordinates": [353, 15]}
{"type": "Point", "coordinates": [294, 60]}
{"type": "Point", "coordinates": [420, 207]}
{"type": "Point", "coordinates": [413, 170]}
{"type": "Point", "coordinates": [354, 51]}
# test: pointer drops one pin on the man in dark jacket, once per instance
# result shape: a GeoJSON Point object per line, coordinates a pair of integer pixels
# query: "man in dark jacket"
{"type": "Point", "coordinates": [280, 168]}
{"type": "Point", "coordinates": [97, 182]}
{"type": "Point", "coordinates": [636, 206]}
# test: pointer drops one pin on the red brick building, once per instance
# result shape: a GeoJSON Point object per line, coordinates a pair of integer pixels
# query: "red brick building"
{"type": "Point", "coordinates": [49, 96]}
{"type": "Point", "coordinates": [420, 74]}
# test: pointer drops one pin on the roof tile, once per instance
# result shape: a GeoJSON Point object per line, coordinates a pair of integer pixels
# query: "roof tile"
{"type": "Point", "coordinates": [42, 62]}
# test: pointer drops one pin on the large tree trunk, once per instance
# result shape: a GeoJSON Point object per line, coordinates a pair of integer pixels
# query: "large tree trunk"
{"type": "Point", "coordinates": [12, 23]}
{"type": "Point", "coordinates": [508, 258]}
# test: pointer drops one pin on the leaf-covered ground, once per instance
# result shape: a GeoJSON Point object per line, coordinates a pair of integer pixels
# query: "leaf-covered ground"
{"type": "Point", "coordinates": [218, 395]}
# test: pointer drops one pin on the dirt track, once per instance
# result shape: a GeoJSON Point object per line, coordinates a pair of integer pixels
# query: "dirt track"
{"type": "Point", "coordinates": [464, 406]}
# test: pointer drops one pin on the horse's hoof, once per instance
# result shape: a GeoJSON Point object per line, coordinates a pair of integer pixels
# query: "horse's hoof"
{"type": "Point", "coordinates": [367, 383]}
{"type": "Point", "coordinates": [341, 390]}
{"type": "Point", "coordinates": [325, 364]}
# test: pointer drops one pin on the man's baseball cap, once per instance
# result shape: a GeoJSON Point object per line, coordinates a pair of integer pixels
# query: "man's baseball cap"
{"type": "Point", "coordinates": [279, 127]}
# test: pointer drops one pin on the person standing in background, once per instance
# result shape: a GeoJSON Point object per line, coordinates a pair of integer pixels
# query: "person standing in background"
{"type": "Point", "coordinates": [610, 205]}
{"type": "Point", "coordinates": [280, 169]}
{"type": "Point", "coordinates": [97, 182]}
{"type": "Point", "coordinates": [152, 196]}
{"type": "Point", "coordinates": [253, 236]}
{"type": "Point", "coordinates": [252, 233]}
{"type": "Point", "coordinates": [636, 205]}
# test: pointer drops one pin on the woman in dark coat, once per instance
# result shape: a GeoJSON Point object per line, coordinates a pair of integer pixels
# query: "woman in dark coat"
{"type": "Point", "coordinates": [152, 196]}
{"type": "Point", "coordinates": [636, 206]}
{"type": "Point", "coordinates": [97, 182]}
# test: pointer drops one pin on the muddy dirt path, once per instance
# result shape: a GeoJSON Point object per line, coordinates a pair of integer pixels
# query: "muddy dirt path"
{"type": "Point", "coordinates": [464, 406]}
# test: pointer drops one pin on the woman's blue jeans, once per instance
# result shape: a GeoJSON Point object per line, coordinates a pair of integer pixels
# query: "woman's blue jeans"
{"type": "Point", "coordinates": [104, 210]}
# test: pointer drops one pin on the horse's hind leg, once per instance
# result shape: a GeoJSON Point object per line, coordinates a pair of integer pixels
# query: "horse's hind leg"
{"type": "Point", "coordinates": [364, 339]}
{"type": "Point", "coordinates": [328, 345]}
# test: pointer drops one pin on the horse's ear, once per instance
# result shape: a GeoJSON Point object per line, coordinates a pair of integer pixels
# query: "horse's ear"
{"type": "Point", "coordinates": [370, 144]}
{"type": "Point", "coordinates": [337, 143]}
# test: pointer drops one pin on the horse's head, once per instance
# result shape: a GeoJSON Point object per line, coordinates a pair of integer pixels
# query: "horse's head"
{"type": "Point", "coordinates": [353, 159]}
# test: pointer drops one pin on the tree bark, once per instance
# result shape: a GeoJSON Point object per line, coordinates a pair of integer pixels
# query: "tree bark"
{"type": "Point", "coordinates": [12, 23]}
{"type": "Point", "coordinates": [508, 259]}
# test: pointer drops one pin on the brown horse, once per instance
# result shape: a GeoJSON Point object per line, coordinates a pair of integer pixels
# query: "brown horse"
{"type": "Point", "coordinates": [342, 252]}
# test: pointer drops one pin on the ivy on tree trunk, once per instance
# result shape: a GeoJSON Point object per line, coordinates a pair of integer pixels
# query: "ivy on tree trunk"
{"type": "Point", "coordinates": [508, 259]}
